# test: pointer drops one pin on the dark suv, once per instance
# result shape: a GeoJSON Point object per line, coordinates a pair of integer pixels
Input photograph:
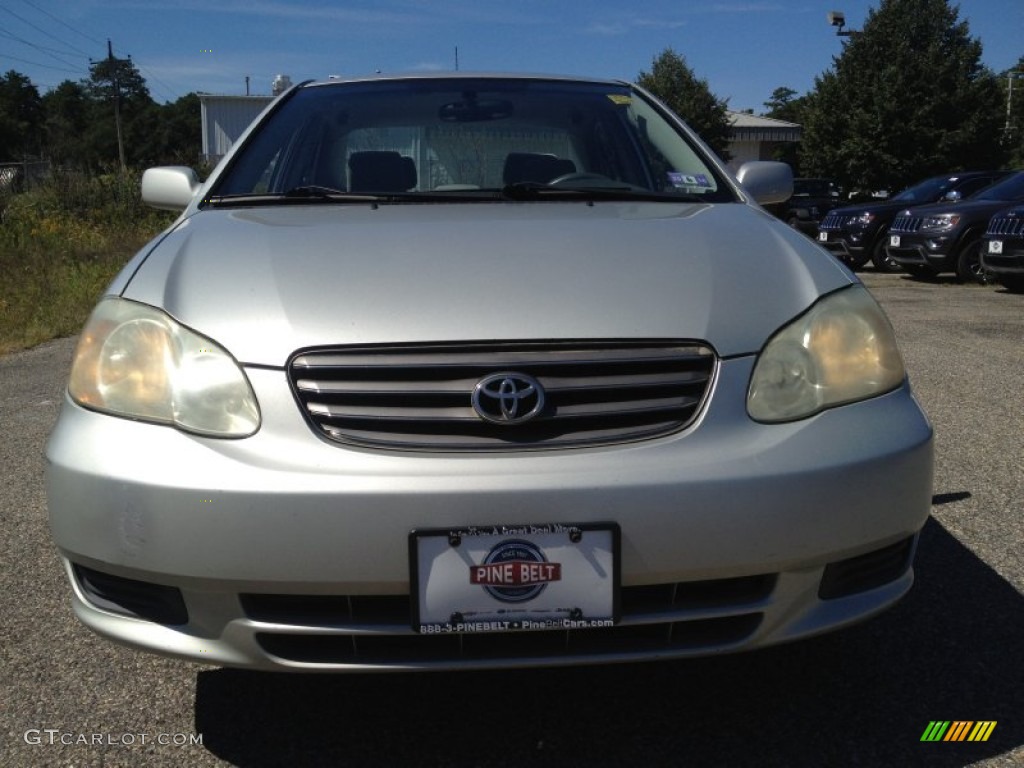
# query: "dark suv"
{"type": "Point", "coordinates": [946, 237]}
{"type": "Point", "coordinates": [1002, 249]}
{"type": "Point", "coordinates": [812, 199]}
{"type": "Point", "coordinates": [858, 233]}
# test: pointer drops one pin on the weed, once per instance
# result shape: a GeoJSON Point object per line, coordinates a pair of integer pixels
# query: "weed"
{"type": "Point", "coordinates": [60, 245]}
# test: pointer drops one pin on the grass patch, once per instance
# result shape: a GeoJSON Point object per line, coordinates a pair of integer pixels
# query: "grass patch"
{"type": "Point", "coordinates": [60, 245]}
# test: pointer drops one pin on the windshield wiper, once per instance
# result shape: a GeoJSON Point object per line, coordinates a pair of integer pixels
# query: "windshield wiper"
{"type": "Point", "coordinates": [523, 190]}
{"type": "Point", "coordinates": [317, 192]}
{"type": "Point", "coordinates": [296, 195]}
{"type": "Point", "coordinates": [531, 190]}
{"type": "Point", "coordinates": [314, 193]}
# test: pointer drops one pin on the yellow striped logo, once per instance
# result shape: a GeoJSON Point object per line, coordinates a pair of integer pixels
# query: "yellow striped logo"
{"type": "Point", "coordinates": [958, 730]}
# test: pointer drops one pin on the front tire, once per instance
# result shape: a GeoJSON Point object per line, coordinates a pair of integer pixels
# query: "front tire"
{"type": "Point", "coordinates": [880, 258]}
{"type": "Point", "coordinates": [969, 268]}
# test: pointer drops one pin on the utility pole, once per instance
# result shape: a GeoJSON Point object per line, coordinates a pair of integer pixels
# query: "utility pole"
{"type": "Point", "coordinates": [1010, 77]}
{"type": "Point", "coordinates": [114, 65]}
{"type": "Point", "coordinates": [117, 103]}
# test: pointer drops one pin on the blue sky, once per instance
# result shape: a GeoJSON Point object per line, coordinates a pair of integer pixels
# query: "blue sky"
{"type": "Point", "coordinates": [743, 49]}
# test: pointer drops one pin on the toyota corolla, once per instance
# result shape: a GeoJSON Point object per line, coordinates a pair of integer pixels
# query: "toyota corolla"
{"type": "Point", "coordinates": [481, 371]}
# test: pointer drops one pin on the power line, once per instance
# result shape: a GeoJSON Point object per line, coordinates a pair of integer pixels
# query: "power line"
{"type": "Point", "coordinates": [150, 76]}
{"type": "Point", "coordinates": [37, 64]}
{"type": "Point", "coordinates": [41, 48]}
{"type": "Point", "coordinates": [43, 31]}
{"type": "Point", "coordinates": [62, 22]}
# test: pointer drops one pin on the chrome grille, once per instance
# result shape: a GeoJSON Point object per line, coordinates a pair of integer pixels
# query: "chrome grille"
{"type": "Point", "coordinates": [833, 221]}
{"type": "Point", "coordinates": [1006, 226]}
{"type": "Point", "coordinates": [906, 224]}
{"type": "Point", "coordinates": [419, 397]}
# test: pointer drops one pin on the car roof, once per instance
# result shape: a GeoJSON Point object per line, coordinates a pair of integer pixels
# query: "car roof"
{"type": "Point", "coordinates": [460, 75]}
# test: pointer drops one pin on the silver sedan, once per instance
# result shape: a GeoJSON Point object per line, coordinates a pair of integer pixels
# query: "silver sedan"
{"type": "Point", "coordinates": [481, 371]}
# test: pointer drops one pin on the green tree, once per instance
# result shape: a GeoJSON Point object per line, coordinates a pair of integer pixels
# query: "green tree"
{"type": "Point", "coordinates": [68, 111]}
{"type": "Point", "coordinates": [907, 98]}
{"type": "Point", "coordinates": [80, 130]}
{"type": "Point", "coordinates": [179, 133]}
{"type": "Point", "coordinates": [672, 81]}
{"type": "Point", "coordinates": [115, 87]}
{"type": "Point", "coordinates": [784, 104]}
{"type": "Point", "coordinates": [21, 117]}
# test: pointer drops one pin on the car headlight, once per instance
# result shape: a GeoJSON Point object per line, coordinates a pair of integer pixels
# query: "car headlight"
{"type": "Point", "coordinates": [840, 351]}
{"type": "Point", "coordinates": [862, 219]}
{"type": "Point", "coordinates": [135, 361]}
{"type": "Point", "coordinates": [940, 223]}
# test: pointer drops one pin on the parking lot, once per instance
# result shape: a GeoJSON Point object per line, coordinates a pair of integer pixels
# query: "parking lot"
{"type": "Point", "coordinates": [950, 651]}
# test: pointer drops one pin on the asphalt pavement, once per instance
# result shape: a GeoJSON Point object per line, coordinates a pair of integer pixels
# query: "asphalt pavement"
{"type": "Point", "coordinates": [953, 650]}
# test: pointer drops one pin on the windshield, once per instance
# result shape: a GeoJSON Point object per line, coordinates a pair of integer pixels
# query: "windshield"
{"type": "Point", "coordinates": [926, 191]}
{"type": "Point", "coordinates": [467, 138]}
{"type": "Point", "coordinates": [1010, 188]}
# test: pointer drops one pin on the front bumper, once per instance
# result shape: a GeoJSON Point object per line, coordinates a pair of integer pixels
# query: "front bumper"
{"type": "Point", "coordinates": [932, 252]}
{"type": "Point", "coordinates": [745, 516]}
{"type": "Point", "coordinates": [1009, 262]}
{"type": "Point", "coordinates": [848, 248]}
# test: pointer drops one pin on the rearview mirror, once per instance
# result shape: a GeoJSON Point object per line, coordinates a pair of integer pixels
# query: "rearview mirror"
{"type": "Point", "coordinates": [475, 111]}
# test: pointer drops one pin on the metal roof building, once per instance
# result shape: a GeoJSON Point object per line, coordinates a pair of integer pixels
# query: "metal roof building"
{"type": "Point", "coordinates": [225, 118]}
{"type": "Point", "coordinates": [756, 138]}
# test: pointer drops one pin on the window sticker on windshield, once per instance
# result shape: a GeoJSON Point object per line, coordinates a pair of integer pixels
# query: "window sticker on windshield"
{"type": "Point", "coordinates": [620, 99]}
{"type": "Point", "coordinates": [679, 180]}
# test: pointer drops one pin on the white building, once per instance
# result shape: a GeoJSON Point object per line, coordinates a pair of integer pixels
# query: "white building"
{"type": "Point", "coordinates": [225, 118]}
{"type": "Point", "coordinates": [756, 138]}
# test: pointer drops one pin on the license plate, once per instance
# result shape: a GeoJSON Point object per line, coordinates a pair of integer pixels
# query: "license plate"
{"type": "Point", "coordinates": [894, 241]}
{"type": "Point", "coordinates": [995, 246]}
{"type": "Point", "coordinates": [823, 237]}
{"type": "Point", "coordinates": [514, 578]}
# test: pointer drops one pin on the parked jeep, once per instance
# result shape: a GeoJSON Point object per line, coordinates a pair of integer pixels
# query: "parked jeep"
{"type": "Point", "coordinates": [1002, 249]}
{"type": "Point", "coordinates": [856, 234]}
{"type": "Point", "coordinates": [811, 200]}
{"type": "Point", "coordinates": [946, 237]}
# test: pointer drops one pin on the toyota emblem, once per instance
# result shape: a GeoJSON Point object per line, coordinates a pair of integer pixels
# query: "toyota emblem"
{"type": "Point", "coordinates": [508, 398]}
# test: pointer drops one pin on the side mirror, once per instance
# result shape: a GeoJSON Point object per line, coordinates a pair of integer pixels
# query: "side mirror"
{"type": "Point", "coordinates": [170, 188]}
{"type": "Point", "coordinates": [766, 181]}
{"type": "Point", "coordinates": [953, 195]}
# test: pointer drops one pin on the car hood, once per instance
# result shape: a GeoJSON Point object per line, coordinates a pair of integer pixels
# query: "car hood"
{"type": "Point", "coordinates": [971, 209]}
{"type": "Point", "coordinates": [265, 282]}
{"type": "Point", "coordinates": [876, 208]}
{"type": "Point", "coordinates": [1016, 211]}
